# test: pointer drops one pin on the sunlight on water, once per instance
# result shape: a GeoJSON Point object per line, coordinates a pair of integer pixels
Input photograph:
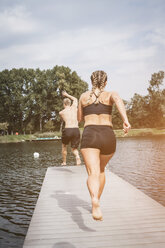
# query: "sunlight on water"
{"type": "Point", "coordinates": [141, 162]}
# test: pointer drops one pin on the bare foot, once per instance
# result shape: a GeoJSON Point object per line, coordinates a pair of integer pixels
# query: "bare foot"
{"type": "Point", "coordinates": [78, 161]}
{"type": "Point", "coordinates": [64, 163]}
{"type": "Point", "coordinates": [96, 211]}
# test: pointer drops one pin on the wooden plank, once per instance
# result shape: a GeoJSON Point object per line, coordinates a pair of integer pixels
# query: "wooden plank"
{"type": "Point", "coordinates": [62, 216]}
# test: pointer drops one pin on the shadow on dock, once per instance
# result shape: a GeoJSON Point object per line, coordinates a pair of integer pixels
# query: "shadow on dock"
{"type": "Point", "coordinates": [63, 245]}
{"type": "Point", "coordinates": [62, 169]}
{"type": "Point", "coordinates": [71, 204]}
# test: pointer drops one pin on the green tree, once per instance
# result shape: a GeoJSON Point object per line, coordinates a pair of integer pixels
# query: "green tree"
{"type": "Point", "coordinates": [29, 127]}
{"type": "Point", "coordinates": [149, 110]}
{"type": "Point", "coordinates": [62, 78]}
{"type": "Point", "coordinates": [4, 127]}
{"type": "Point", "coordinates": [31, 97]}
{"type": "Point", "coordinates": [11, 99]}
{"type": "Point", "coordinates": [156, 100]}
{"type": "Point", "coordinates": [49, 126]}
{"type": "Point", "coordinates": [138, 111]}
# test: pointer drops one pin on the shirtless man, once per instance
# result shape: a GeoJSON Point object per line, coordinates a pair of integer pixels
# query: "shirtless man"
{"type": "Point", "coordinates": [71, 131]}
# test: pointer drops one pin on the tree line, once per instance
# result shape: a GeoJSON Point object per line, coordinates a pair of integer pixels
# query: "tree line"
{"type": "Point", "coordinates": [146, 111]}
{"type": "Point", "coordinates": [30, 100]}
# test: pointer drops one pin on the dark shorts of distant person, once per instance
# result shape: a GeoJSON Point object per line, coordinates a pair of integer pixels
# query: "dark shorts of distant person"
{"type": "Point", "coordinates": [100, 137]}
{"type": "Point", "coordinates": [71, 135]}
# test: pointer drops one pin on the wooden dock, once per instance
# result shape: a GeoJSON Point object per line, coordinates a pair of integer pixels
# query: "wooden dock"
{"type": "Point", "coordinates": [62, 216]}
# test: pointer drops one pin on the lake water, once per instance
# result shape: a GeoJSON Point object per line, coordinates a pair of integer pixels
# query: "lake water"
{"type": "Point", "coordinates": [140, 161]}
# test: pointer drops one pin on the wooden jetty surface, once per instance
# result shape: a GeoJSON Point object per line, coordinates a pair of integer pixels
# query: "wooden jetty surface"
{"type": "Point", "coordinates": [62, 216]}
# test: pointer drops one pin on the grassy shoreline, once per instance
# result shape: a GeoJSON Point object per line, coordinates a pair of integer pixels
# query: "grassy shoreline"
{"type": "Point", "coordinates": [119, 134]}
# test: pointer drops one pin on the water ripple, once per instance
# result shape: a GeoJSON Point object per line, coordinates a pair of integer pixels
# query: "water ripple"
{"type": "Point", "coordinates": [141, 162]}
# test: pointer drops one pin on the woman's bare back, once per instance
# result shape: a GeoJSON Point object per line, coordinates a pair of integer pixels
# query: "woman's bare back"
{"type": "Point", "coordinates": [94, 119]}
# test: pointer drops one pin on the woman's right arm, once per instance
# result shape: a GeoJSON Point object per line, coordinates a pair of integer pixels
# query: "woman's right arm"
{"type": "Point", "coordinates": [115, 98]}
{"type": "Point", "coordinates": [80, 116]}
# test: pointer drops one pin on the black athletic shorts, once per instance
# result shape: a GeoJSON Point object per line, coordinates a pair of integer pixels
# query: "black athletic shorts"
{"type": "Point", "coordinates": [99, 136]}
{"type": "Point", "coordinates": [71, 135]}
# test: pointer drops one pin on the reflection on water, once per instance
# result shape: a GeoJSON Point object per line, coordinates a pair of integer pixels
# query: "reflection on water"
{"type": "Point", "coordinates": [140, 161]}
{"type": "Point", "coordinates": [20, 182]}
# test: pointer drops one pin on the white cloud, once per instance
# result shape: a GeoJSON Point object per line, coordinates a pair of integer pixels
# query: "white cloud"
{"type": "Point", "coordinates": [16, 20]}
{"type": "Point", "coordinates": [157, 36]}
{"type": "Point", "coordinates": [87, 45]}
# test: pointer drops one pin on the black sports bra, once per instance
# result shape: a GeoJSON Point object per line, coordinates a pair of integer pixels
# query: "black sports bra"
{"type": "Point", "coordinates": [97, 109]}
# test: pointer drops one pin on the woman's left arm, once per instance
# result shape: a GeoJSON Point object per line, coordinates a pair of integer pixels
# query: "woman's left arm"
{"type": "Point", "coordinates": [121, 108]}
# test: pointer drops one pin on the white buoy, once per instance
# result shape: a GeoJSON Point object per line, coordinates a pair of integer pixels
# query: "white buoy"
{"type": "Point", "coordinates": [36, 155]}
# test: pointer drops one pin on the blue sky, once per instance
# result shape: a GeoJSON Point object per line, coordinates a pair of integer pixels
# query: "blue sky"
{"type": "Point", "coordinates": [125, 38]}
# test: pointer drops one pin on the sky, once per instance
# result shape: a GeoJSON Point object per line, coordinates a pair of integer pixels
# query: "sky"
{"type": "Point", "coordinates": [125, 38]}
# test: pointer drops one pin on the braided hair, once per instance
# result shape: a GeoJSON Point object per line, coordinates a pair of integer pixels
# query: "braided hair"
{"type": "Point", "coordinates": [98, 79]}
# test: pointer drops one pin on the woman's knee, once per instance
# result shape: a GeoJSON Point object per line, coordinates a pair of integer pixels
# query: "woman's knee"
{"type": "Point", "coordinates": [94, 172]}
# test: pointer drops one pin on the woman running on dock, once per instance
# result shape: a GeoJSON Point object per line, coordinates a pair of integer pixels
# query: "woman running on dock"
{"type": "Point", "coordinates": [98, 142]}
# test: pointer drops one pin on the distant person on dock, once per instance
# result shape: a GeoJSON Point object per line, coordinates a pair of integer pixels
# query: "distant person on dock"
{"type": "Point", "coordinates": [98, 142]}
{"type": "Point", "coordinates": [70, 133]}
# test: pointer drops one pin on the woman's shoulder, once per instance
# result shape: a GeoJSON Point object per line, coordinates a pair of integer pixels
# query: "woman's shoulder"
{"type": "Point", "coordinates": [84, 98]}
{"type": "Point", "coordinates": [110, 93]}
{"type": "Point", "coordinates": [107, 97]}
{"type": "Point", "coordinates": [106, 94]}
{"type": "Point", "coordinates": [85, 94]}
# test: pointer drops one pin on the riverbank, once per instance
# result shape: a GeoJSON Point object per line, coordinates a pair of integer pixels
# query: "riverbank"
{"type": "Point", "coordinates": [119, 133]}
{"type": "Point", "coordinates": [140, 132]}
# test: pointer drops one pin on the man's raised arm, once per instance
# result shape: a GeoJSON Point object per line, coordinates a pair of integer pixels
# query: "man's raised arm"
{"type": "Point", "coordinates": [74, 99]}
